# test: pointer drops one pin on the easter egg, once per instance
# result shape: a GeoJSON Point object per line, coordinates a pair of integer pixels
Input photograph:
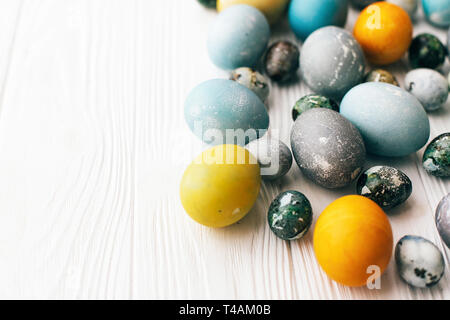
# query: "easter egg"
{"type": "Point", "coordinates": [311, 101]}
{"type": "Point", "coordinates": [306, 16]}
{"type": "Point", "coordinates": [220, 186]}
{"type": "Point", "coordinates": [361, 4]}
{"type": "Point", "coordinates": [443, 219]}
{"type": "Point", "coordinates": [419, 262]}
{"type": "Point", "coordinates": [352, 235]}
{"type": "Point", "coordinates": [217, 106]}
{"type": "Point", "coordinates": [208, 3]}
{"type": "Point", "coordinates": [253, 80]}
{"type": "Point", "coordinates": [380, 75]}
{"type": "Point", "coordinates": [272, 9]}
{"type": "Point", "coordinates": [392, 122]}
{"type": "Point", "coordinates": [436, 158]}
{"type": "Point", "coordinates": [387, 186]}
{"type": "Point", "coordinates": [427, 51]}
{"type": "Point", "coordinates": [328, 148]}
{"type": "Point", "coordinates": [238, 37]}
{"type": "Point", "coordinates": [409, 6]}
{"type": "Point", "coordinates": [332, 62]}
{"type": "Point", "coordinates": [290, 215]}
{"type": "Point", "coordinates": [384, 31]}
{"type": "Point", "coordinates": [274, 157]}
{"type": "Point", "coordinates": [429, 86]}
{"type": "Point", "coordinates": [282, 61]}
{"type": "Point", "coordinates": [437, 12]}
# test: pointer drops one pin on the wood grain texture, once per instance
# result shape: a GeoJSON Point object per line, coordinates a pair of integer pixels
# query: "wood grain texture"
{"type": "Point", "coordinates": [93, 144]}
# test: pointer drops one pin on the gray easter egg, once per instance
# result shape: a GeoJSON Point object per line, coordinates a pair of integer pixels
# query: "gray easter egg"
{"type": "Point", "coordinates": [332, 62]}
{"type": "Point", "coordinates": [419, 262]}
{"type": "Point", "coordinates": [327, 147]}
{"type": "Point", "coordinates": [409, 6]}
{"type": "Point", "coordinates": [443, 219]}
{"type": "Point", "coordinates": [429, 86]}
{"type": "Point", "coordinates": [253, 80]}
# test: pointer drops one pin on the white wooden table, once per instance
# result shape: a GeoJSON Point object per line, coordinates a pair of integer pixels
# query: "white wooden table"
{"type": "Point", "coordinates": [92, 147]}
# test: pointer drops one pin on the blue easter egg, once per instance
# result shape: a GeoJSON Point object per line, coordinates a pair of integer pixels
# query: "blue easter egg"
{"type": "Point", "coordinates": [392, 122]}
{"type": "Point", "coordinates": [238, 37]}
{"type": "Point", "coordinates": [306, 16]}
{"type": "Point", "coordinates": [225, 112]}
{"type": "Point", "coordinates": [437, 12]}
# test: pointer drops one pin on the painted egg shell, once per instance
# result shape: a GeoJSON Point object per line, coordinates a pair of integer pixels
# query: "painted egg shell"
{"type": "Point", "coordinates": [253, 80]}
{"type": "Point", "coordinates": [313, 101]}
{"type": "Point", "coordinates": [437, 12]}
{"type": "Point", "coordinates": [290, 215]}
{"type": "Point", "coordinates": [392, 122]}
{"type": "Point", "coordinates": [332, 62]}
{"type": "Point", "coordinates": [327, 147]}
{"type": "Point", "coordinates": [306, 16]}
{"type": "Point", "coordinates": [216, 106]}
{"type": "Point", "coordinates": [380, 75]}
{"type": "Point", "coordinates": [427, 51]}
{"type": "Point", "coordinates": [361, 4]}
{"type": "Point", "coordinates": [387, 186]}
{"type": "Point", "coordinates": [282, 61]}
{"type": "Point", "coordinates": [409, 6]}
{"type": "Point", "coordinates": [272, 9]}
{"type": "Point", "coordinates": [274, 157]}
{"type": "Point", "coordinates": [220, 186]}
{"type": "Point", "coordinates": [208, 3]}
{"type": "Point", "coordinates": [419, 262]}
{"type": "Point", "coordinates": [429, 86]}
{"type": "Point", "coordinates": [443, 219]}
{"type": "Point", "coordinates": [238, 37]}
{"type": "Point", "coordinates": [436, 158]}
{"type": "Point", "coordinates": [448, 41]}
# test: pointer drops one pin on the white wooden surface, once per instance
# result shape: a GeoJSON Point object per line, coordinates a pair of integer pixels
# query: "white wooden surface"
{"type": "Point", "coordinates": [92, 147]}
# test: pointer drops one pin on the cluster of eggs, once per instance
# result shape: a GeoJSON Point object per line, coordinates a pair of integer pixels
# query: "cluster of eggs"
{"type": "Point", "coordinates": [329, 140]}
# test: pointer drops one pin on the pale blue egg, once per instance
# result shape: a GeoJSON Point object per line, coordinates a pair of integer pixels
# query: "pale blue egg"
{"type": "Point", "coordinates": [238, 37]}
{"type": "Point", "coordinates": [392, 122]}
{"type": "Point", "coordinates": [437, 12]}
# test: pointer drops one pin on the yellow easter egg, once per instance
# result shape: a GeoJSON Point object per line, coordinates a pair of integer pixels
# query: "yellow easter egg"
{"type": "Point", "coordinates": [272, 9]}
{"type": "Point", "coordinates": [220, 186]}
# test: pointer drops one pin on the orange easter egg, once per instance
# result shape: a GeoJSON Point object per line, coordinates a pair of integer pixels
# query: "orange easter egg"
{"type": "Point", "coordinates": [384, 31]}
{"type": "Point", "coordinates": [353, 240]}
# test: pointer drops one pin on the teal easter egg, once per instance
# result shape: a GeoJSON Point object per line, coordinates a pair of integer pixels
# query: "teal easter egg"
{"type": "Point", "coordinates": [392, 122]}
{"type": "Point", "coordinates": [238, 37]}
{"type": "Point", "coordinates": [437, 12]}
{"type": "Point", "coordinates": [225, 112]}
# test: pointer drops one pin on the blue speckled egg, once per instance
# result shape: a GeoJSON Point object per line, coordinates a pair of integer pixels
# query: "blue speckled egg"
{"type": "Point", "coordinates": [306, 16]}
{"type": "Point", "coordinates": [238, 38]}
{"type": "Point", "coordinates": [437, 12]}
{"type": "Point", "coordinates": [419, 262]}
{"type": "Point", "coordinates": [443, 219]}
{"type": "Point", "coordinates": [332, 62]}
{"type": "Point", "coordinates": [217, 105]}
{"type": "Point", "coordinates": [392, 122]}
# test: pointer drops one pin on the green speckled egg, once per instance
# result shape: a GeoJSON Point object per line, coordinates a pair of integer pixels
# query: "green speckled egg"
{"type": "Point", "coordinates": [436, 159]}
{"type": "Point", "coordinates": [387, 186]}
{"type": "Point", "coordinates": [427, 51]}
{"type": "Point", "coordinates": [253, 80]}
{"type": "Point", "coordinates": [313, 101]}
{"type": "Point", "coordinates": [208, 3]}
{"type": "Point", "coordinates": [290, 215]}
{"type": "Point", "coordinates": [380, 75]}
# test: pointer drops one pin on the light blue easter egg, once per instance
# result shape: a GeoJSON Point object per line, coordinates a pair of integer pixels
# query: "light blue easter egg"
{"type": "Point", "coordinates": [225, 112]}
{"type": "Point", "coordinates": [437, 12]}
{"type": "Point", "coordinates": [306, 16]}
{"type": "Point", "coordinates": [392, 122]}
{"type": "Point", "coordinates": [238, 37]}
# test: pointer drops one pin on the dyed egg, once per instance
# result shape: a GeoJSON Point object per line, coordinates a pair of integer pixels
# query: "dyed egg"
{"type": "Point", "coordinates": [384, 31]}
{"type": "Point", "coordinates": [409, 6]}
{"type": "Point", "coordinates": [282, 61]}
{"type": "Point", "coordinates": [436, 158]}
{"type": "Point", "coordinates": [328, 148]}
{"type": "Point", "coordinates": [419, 262]}
{"type": "Point", "coordinates": [448, 41]}
{"type": "Point", "coordinates": [361, 4]}
{"type": "Point", "coordinates": [351, 235]}
{"type": "Point", "coordinates": [427, 51]}
{"type": "Point", "coordinates": [208, 3]}
{"type": "Point", "coordinates": [216, 106]}
{"type": "Point", "coordinates": [332, 62]}
{"type": "Point", "coordinates": [380, 75]}
{"type": "Point", "coordinates": [274, 157]}
{"type": "Point", "coordinates": [238, 37]}
{"type": "Point", "coordinates": [306, 16]}
{"type": "Point", "coordinates": [220, 186]}
{"type": "Point", "coordinates": [392, 122]}
{"type": "Point", "coordinates": [272, 9]}
{"type": "Point", "coordinates": [253, 80]}
{"type": "Point", "coordinates": [429, 86]}
{"type": "Point", "coordinates": [290, 215]}
{"type": "Point", "coordinates": [313, 101]}
{"type": "Point", "coordinates": [443, 219]}
{"type": "Point", "coordinates": [387, 186]}
{"type": "Point", "coordinates": [437, 12]}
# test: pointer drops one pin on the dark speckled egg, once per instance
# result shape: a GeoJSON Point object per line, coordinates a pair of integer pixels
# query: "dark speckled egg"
{"type": "Point", "coordinates": [313, 101]}
{"type": "Point", "coordinates": [436, 158]}
{"type": "Point", "coordinates": [443, 219]}
{"type": "Point", "coordinates": [427, 51]}
{"type": "Point", "coordinates": [290, 215]}
{"type": "Point", "coordinates": [208, 3]}
{"type": "Point", "coordinates": [361, 4]}
{"type": "Point", "coordinates": [387, 186]}
{"type": "Point", "coordinates": [282, 61]}
{"type": "Point", "coordinates": [380, 75]}
{"type": "Point", "coordinates": [419, 262]}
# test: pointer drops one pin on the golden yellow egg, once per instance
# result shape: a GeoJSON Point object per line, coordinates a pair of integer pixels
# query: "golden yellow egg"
{"type": "Point", "coordinates": [272, 9]}
{"type": "Point", "coordinates": [220, 186]}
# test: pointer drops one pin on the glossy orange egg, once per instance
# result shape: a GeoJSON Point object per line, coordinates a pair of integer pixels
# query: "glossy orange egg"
{"type": "Point", "coordinates": [352, 238]}
{"type": "Point", "coordinates": [384, 31]}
